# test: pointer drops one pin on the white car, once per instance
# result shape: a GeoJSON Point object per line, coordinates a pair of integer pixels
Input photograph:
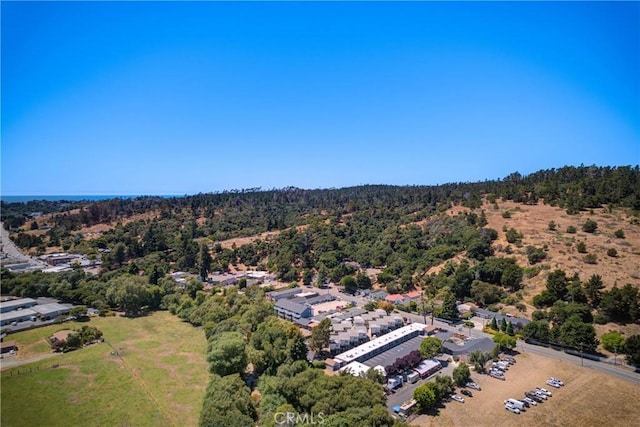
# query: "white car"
{"type": "Point", "coordinates": [545, 391]}
{"type": "Point", "coordinates": [552, 383]}
{"type": "Point", "coordinates": [557, 380]}
{"type": "Point", "coordinates": [457, 398]}
{"type": "Point", "coordinates": [473, 385]}
{"type": "Point", "coordinates": [511, 408]}
{"type": "Point", "coordinates": [530, 401]}
{"type": "Point", "coordinates": [541, 395]}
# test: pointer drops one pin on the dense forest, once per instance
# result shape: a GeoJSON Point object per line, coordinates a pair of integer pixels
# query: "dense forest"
{"type": "Point", "coordinates": [325, 236]}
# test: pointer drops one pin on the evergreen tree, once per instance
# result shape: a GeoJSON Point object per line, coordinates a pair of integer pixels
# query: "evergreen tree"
{"type": "Point", "coordinates": [320, 335]}
{"type": "Point", "coordinates": [494, 324]}
{"type": "Point", "coordinates": [509, 329]}
{"type": "Point", "coordinates": [449, 306]}
{"type": "Point", "coordinates": [593, 290]}
{"type": "Point", "coordinates": [204, 261]}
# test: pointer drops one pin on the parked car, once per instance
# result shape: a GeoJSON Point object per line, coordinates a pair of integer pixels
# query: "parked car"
{"type": "Point", "coordinates": [510, 360]}
{"type": "Point", "coordinates": [511, 408]}
{"type": "Point", "coordinates": [553, 383]}
{"type": "Point", "coordinates": [557, 380]}
{"type": "Point", "coordinates": [457, 398]}
{"type": "Point", "coordinates": [466, 392]}
{"type": "Point", "coordinates": [473, 385]}
{"type": "Point", "coordinates": [545, 391]}
{"type": "Point", "coordinates": [532, 395]}
{"type": "Point", "coordinates": [497, 374]}
{"type": "Point", "coordinates": [541, 395]}
{"type": "Point", "coordinates": [530, 401]}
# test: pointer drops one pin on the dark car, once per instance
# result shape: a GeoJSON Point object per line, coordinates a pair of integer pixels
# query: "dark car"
{"type": "Point", "coordinates": [533, 396]}
{"type": "Point", "coordinates": [466, 392]}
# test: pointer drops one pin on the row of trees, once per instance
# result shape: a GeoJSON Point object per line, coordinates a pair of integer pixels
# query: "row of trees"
{"type": "Point", "coordinates": [401, 364]}
{"type": "Point", "coordinates": [618, 304]}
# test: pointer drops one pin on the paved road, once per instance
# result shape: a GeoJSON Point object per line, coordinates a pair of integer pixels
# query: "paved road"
{"type": "Point", "coordinates": [11, 253]}
{"type": "Point", "coordinates": [12, 362]}
{"type": "Point", "coordinates": [9, 248]}
{"type": "Point", "coordinates": [405, 393]}
{"type": "Point", "coordinates": [618, 371]}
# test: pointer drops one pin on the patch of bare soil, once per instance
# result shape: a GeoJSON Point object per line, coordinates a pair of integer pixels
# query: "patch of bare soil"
{"type": "Point", "coordinates": [589, 398]}
{"type": "Point", "coordinates": [96, 230]}
{"type": "Point", "coordinates": [239, 241]}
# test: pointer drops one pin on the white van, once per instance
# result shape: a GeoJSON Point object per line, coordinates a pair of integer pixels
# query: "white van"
{"type": "Point", "coordinates": [515, 403]}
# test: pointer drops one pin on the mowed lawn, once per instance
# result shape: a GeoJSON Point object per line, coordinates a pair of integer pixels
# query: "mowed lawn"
{"type": "Point", "coordinates": [158, 377]}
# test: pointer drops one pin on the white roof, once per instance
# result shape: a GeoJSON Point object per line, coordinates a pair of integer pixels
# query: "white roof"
{"type": "Point", "coordinates": [427, 365]}
{"type": "Point", "coordinates": [355, 369]}
{"type": "Point", "coordinates": [372, 345]}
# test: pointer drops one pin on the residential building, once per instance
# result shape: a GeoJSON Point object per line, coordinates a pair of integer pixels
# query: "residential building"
{"type": "Point", "coordinates": [291, 310]}
{"type": "Point", "coordinates": [378, 345]}
{"type": "Point", "coordinates": [284, 294]}
{"type": "Point", "coordinates": [396, 299]}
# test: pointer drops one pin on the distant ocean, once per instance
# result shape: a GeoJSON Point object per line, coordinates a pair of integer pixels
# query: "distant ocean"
{"type": "Point", "coordinates": [76, 198]}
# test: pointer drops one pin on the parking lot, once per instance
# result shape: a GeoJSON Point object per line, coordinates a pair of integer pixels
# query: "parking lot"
{"type": "Point", "coordinates": [405, 393]}
{"type": "Point", "coordinates": [584, 400]}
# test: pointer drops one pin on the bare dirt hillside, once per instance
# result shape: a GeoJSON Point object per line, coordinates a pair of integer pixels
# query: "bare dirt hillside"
{"type": "Point", "coordinates": [533, 222]}
{"type": "Point", "coordinates": [561, 247]}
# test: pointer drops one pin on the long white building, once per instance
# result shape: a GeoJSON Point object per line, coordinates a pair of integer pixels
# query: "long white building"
{"type": "Point", "coordinates": [376, 346]}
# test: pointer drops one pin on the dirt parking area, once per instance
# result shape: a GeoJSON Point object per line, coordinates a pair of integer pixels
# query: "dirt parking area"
{"type": "Point", "coordinates": [589, 398]}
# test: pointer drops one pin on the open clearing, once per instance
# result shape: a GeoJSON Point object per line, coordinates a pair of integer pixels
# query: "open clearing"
{"type": "Point", "coordinates": [158, 379]}
{"type": "Point", "coordinates": [588, 398]}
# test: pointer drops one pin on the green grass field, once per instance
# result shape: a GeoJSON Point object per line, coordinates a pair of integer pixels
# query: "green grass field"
{"type": "Point", "coordinates": [158, 379]}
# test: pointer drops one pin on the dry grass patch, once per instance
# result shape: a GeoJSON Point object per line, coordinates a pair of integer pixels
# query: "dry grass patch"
{"type": "Point", "coordinates": [589, 398]}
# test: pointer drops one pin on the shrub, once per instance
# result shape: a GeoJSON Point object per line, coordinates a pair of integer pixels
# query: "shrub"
{"type": "Point", "coordinates": [581, 247]}
{"type": "Point", "coordinates": [318, 364]}
{"type": "Point", "coordinates": [506, 214]}
{"type": "Point", "coordinates": [590, 226]}
{"type": "Point", "coordinates": [612, 252]}
{"type": "Point", "coordinates": [600, 319]}
{"type": "Point", "coordinates": [552, 226]}
{"type": "Point", "coordinates": [535, 255]}
{"type": "Point", "coordinates": [571, 229]}
{"type": "Point", "coordinates": [619, 233]}
{"type": "Point", "coordinates": [590, 259]}
{"type": "Point", "coordinates": [613, 341]}
{"type": "Point", "coordinates": [513, 236]}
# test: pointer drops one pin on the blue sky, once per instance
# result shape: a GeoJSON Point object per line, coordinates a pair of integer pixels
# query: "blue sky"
{"type": "Point", "coordinates": [180, 98]}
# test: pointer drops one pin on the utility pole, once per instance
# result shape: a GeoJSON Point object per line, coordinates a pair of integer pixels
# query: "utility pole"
{"type": "Point", "coordinates": [424, 310]}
